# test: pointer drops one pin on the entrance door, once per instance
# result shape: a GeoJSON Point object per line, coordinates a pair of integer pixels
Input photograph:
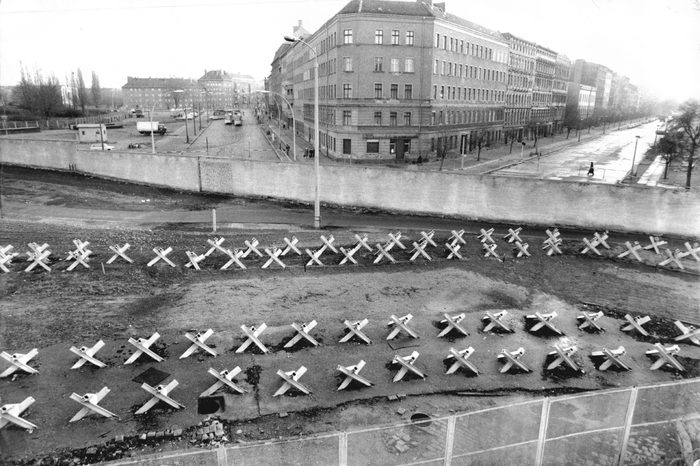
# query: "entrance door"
{"type": "Point", "coordinates": [463, 144]}
{"type": "Point", "coordinates": [398, 145]}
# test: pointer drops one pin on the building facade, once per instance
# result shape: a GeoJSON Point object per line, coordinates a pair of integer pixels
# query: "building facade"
{"type": "Point", "coordinates": [521, 82]}
{"type": "Point", "coordinates": [560, 88]}
{"type": "Point", "coordinates": [542, 111]}
{"type": "Point", "coordinates": [224, 90]}
{"type": "Point", "coordinates": [598, 76]}
{"type": "Point", "coordinates": [397, 80]}
{"type": "Point", "coordinates": [160, 93]}
{"type": "Point", "coordinates": [581, 102]}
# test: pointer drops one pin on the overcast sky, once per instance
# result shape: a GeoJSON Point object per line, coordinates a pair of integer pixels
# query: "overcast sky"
{"type": "Point", "coordinates": [654, 42]}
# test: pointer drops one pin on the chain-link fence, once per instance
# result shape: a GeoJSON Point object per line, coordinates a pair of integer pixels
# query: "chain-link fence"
{"type": "Point", "coordinates": [658, 424]}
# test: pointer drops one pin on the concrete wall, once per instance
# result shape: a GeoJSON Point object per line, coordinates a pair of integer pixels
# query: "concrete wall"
{"type": "Point", "coordinates": [494, 198]}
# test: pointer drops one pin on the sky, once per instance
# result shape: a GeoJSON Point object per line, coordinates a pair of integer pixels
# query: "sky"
{"type": "Point", "coordinates": [654, 42]}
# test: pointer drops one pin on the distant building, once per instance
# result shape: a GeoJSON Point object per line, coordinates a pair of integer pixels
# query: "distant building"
{"type": "Point", "coordinates": [224, 90]}
{"type": "Point", "coordinates": [521, 81]}
{"type": "Point", "coordinates": [598, 76]}
{"type": "Point", "coordinates": [147, 93]}
{"type": "Point", "coordinates": [542, 112]}
{"type": "Point", "coordinates": [582, 100]}
{"type": "Point", "coordinates": [560, 89]}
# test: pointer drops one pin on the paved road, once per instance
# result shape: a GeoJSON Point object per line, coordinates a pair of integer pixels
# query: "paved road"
{"type": "Point", "coordinates": [612, 156]}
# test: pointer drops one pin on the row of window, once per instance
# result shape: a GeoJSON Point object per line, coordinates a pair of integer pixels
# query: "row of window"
{"type": "Point", "coordinates": [519, 99]}
{"type": "Point", "coordinates": [517, 116]}
{"type": "Point", "coordinates": [453, 44]}
{"type": "Point", "coordinates": [393, 91]}
{"type": "Point", "coordinates": [468, 71]}
{"type": "Point", "coordinates": [373, 145]}
{"type": "Point", "coordinates": [519, 81]}
{"type": "Point", "coordinates": [394, 65]}
{"type": "Point", "coordinates": [468, 94]}
{"type": "Point", "coordinates": [520, 63]}
{"type": "Point", "coordinates": [455, 117]}
{"type": "Point", "coordinates": [544, 68]}
{"type": "Point", "coordinates": [395, 37]}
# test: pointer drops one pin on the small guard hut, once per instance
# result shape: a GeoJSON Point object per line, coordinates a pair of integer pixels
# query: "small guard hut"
{"type": "Point", "coordinates": [90, 132]}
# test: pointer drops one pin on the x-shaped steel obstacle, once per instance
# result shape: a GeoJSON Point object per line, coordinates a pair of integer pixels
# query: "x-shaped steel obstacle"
{"type": "Point", "coordinates": [490, 250]}
{"type": "Point", "coordinates": [454, 251]}
{"type": "Point", "coordinates": [690, 251]}
{"type": "Point", "coordinates": [485, 235]}
{"type": "Point", "coordinates": [612, 358]}
{"type": "Point", "coordinates": [401, 324]}
{"type": "Point", "coordinates": [635, 323]}
{"type": "Point", "coordinates": [544, 320]}
{"type": "Point", "coordinates": [87, 355]}
{"type": "Point", "coordinates": [274, 254]}
{"type": "Point", "coordinates": [427, 238]}
{"type": "Point", "coordinates": [453, 323]}
{"type": "Point", "coordinates": [223, 378]}
{"type": "Point", "coordinates": [120, 251]}
{"type": "Point", "coordinates": [601, 239]}
{"type": "Point", "coordinates": [382, 252]}
{"type": "Point", "coordinates": [349, 253]}
{"type": "Point", "coordinates": [655, 242]}
{"type": "Point", "coordinates": [291, 379]}
{"type": "Point", "coordinates": [81, 255]}
{"type": "Point", "coordinates": [316, 255]}
{"type": "Point", "coordinates": [235, 257]}
{"type": "Point", "coordinates": [253, 337]}
{"type": "Point", "coordinates": [353, 373]}
{"type": "Point", "coordinates": [461, 360]}
{"type": "Point", "coordinates": [252, 246]}
{"type": "Point", "coordinates": [6, 256]}
{"type": "Point", "coordinates": [194, 259]}
{"type": "Point", "coordinates": [302, 332]}
{"type": "Point", "coordinates": [588, 319]}
{"type": "Point", "coordinates": [563, 355]}
{"type": "Point", "coordinates": [522, 249]}
{"type": "Point", "coordinates": [11, 414]}
{"type": "Point", "coordinates": [512, 359]}
{"type": "Point", "coordinates": [419, 249]}
{"type": "Point", "coordinates": [291, 246]}
{"type": "Point", "coordinates": [90, 404]}
{"type": "Point", "coordinates": [689, 332]}
{"type": "Point", "coordinates": [513, 235]}
{"type": "Point", "coordinates": [456, 237]}
{"type": "Point", "coordinates": [363, 241]}
{"type": "Point", "coordinates": [328, 243]}
{"type": "Point", "coordinates": [215, 246]}
{"type": "Point", "coordinates": [496, 320]}
{"type": "Point", "coordinates": [551, 246]}
{"type": "Point", "coordinates": [143, 346]}
{"type": "Point", "coordinates": [631, 250]}
{"type": "Point", "coordinates": [198, 341]}
{"type": "Point", "coordinates": [590, 246]}
{"type": "Point", "coordinates": [38, 255]}
{"type": "Point", "coordinates": [666, 355]}
{"type": "Point", "coordinates": [553, 235]}
{"type": "Point", "coordinates": [161, 254]}
{"type": "Point", "coordinates": [672, 256]}
{"type": "Point", "coordinates": [19, 362]}
{"type": "Point", "coordinates": [160, 393]}
{"type": "Point", "coordinates": [407, 365]}
{"type": "Point", "coordinates": [394, 240]}
{"type": "Point", "coordinates": [355, 330]}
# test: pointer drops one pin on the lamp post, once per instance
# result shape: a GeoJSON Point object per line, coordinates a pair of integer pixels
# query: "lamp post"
{"type": "Point", "coordinates": [153, 140]}
{"type": "Point", "coordinates": [634, 156]}
{"type": "Point", "coordinates": [317, 154]}
{"type": "Point", "coordinates": [294, 122]}
{"type": "Point", "coordinates": [187, 134]}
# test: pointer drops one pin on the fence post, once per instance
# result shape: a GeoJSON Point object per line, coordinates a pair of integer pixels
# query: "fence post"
{"type": "Point", "coordinates": [544, 418]}
{"type": "Point", "coordinates": [628, 425]}
{"type": "Point", "coordinates": [450, 440]}
{"type": "Point", "coordinates": [213, 220]}
{"type": "Point", "coordinates": [343, 449]}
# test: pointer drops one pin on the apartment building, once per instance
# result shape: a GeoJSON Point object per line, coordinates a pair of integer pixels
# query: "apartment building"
{"type": "Point", "coordinates": [224, 90]}
{"type": "Point", "coordinates": [542, 112]}
{"type": "Point", "coordinates": [560, 87]}
{"type": "Point", "coordinates": [159, 93]}
{"type": "Point", "coordinates": [521, 81]}
{"type": "Point", "coordinates": [598, 76]}
{"type": "Point", "coordinates": [581, 101]}
{"type": "Point", "coordinates": [397, 80]}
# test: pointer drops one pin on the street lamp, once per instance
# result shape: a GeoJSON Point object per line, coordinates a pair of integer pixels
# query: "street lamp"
{"type": "Point", "coordinates": [294, 122]}
{"type": "Point", "coordinates": [153, 140]}
{"type": "Point", "coordinates": [317, 153]}
{"type": "Point", "coordinates": [187, 133]}
{"type": "Point", "coordinates": [634, 172]}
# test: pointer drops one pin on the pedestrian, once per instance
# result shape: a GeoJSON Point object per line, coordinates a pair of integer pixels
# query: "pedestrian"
{"type": "Point", "coordinates": [590, 170]}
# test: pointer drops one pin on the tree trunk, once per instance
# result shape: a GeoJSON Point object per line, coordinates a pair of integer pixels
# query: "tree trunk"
{"type": "Point", "coordinates": [668, 161]}
{"type": "Point", "coordinates": [693, 147]}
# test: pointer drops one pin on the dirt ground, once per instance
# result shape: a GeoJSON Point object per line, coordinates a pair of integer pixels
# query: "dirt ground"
{"type": "Point", "coordinates": [113, 302]}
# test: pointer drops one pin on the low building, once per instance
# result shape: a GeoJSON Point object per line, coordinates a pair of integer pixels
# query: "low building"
{"type": "Point", "coordinates": [90, 133]}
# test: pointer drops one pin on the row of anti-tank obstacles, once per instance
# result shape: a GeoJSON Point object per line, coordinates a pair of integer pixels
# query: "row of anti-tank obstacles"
{"type": "Point", "coordinates": [38, 256]}
{"type": "Point", "coordinates": [562, 355]}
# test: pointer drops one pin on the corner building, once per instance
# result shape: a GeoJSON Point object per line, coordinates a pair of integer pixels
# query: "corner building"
{"type": "Point", "coordinates": [397, 80]}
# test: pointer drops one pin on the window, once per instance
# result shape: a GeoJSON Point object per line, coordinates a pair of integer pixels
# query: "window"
{"type": "Point", "coordinates": [377, 90]}
{"type": "Point", "coordinates": [407, 119]}
{"type": "Point", "coordinates": [378, 118]}
{"type": "Point", "coordinates": [436, 65]}
{"type": "Point", "coordinates": [347, 91]}
{"type": "Point", "coordinates": [437, 41]}
{"type": "Point", "coordinates": [347, 117]}
{"type": "Point", "coordinates": [347, 64]}
{"type": "Point", "coordinates": [444, 42]}
{"type": "Point", "coordinates": [408, 92]}
{"type": "Point", "coordinates": [432, 118]}
{"type": "Point", "coordinates": [347, 36]}
{"type": "Point", "coordinates": [442, 92]}
{"type": "Point", "coordinates": [394, 91]}
{"type": "Point", "coordinates": [347, 146]}
{"type": "Point", "coordinates": [392, 146]}
{"type": "Point", "coordinates": [379, 64]}
{"type": "Point", "coordinates": [434, 91]}
{"type": "Point", "coordinates": [392, 119]}
{"type": "Point", "coordinates": [379, 37]}
{"type": "Point", "coordinates": [395, 35]}
{"type": "Point", "coordinates": [408, 65]}
{"type": "Point", "coordinates": [373, 146]}
{"type": "Point", "coordinates": [395, 65]}
{"type": "Point", "coordinates": [409, 38]}
{"type": "Point", "coordinates": [443, 68]}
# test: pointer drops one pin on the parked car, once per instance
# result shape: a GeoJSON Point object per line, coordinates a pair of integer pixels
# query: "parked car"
{"type": "Point", "coordinates": [216, 117]}
{"type": "Point", "coordinates": [99, 146]}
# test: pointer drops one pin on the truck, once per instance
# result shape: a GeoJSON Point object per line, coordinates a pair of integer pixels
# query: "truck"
{"type": "Point", "coordinates": [145, 127]}
{"type": "Point", "coordinates": [237, 119]}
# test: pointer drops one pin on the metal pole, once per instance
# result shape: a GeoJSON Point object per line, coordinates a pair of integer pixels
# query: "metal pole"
{"type": "Point", "coordinates": [317, 154]}
{"type": "Point", "coordinates": [187, 134]}
{"type": "Point", "coordinates": [153, 141]}
{"type": "Point", "coordinates": [634, 156]}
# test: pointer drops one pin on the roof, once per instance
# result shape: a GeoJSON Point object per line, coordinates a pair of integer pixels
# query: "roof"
{"type": "Point", "coordinates": [221, 75]}
{"type": "Point", "coordinates": [158, 83]}
{"type": "Point", "coordinates": [386, 7]}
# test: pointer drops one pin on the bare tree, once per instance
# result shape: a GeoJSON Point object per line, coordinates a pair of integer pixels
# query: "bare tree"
{"type": "Point", "coordinates": [82, 91]}
{"type": "Point", "coordinates": [668, 146]}
{"type": "Point", "coordinates": [38, 94]}
{"type": "Point", "coordinates": [96, 91]}
{"type": "Point", "coordinates": [687, 124]}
